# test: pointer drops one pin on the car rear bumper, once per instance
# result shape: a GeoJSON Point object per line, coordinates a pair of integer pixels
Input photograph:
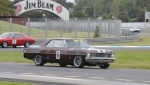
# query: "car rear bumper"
{"type": "Point", "coordinates": [99, 60]}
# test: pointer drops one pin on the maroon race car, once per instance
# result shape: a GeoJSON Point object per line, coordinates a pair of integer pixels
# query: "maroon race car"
{"type": "Point", "coordinates": [15, 39]}
{"type": "Point", "coordinates": [75, 52]}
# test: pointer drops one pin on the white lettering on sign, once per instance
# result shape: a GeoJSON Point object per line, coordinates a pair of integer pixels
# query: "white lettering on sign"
{"type": "Point", "coordinates": [38, 4]}
{"type": "Point", "coordinates": [48, 5]}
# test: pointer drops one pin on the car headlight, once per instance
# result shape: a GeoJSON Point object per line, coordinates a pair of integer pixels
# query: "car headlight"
{"type": "Point", "coordinates": [24, 51]}
{"type": "Point", "coordinates": [88, 55]}
{"type": "Point", "coordinates": [113, 54]}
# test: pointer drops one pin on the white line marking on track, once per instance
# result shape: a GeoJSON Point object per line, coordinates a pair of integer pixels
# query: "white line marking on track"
{"type": "Point", "coordinates": [147, 81]}
{"type": "Point", "coordinates": [8, 72]}
{"type": "Point", "coordinates": [49, 75]}
{"type": "Point", "coordinates": [124, 80]}
{"type": "Point", "coordinates": [28, 73]}
{"type": "Point", "coordinates": [73, 76]}
{"type": "Point", "coordinates": [97, 78]}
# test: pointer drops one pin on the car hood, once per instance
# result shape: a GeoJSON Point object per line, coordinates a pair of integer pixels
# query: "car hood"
{"type": "Point", "coordinates": [95, 50]}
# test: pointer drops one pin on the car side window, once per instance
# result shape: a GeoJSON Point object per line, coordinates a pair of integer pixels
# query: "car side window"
{"type": "Point", "coordinates": [56, 43]}
{"type": "Point", "coordinates": [50, 44]}
{"type": "Point", "coordinates": [15, 35]}
{"type": "Point", "coordinates": [59, 43]}
{"type": "Point", "coordinates": [19, 35]}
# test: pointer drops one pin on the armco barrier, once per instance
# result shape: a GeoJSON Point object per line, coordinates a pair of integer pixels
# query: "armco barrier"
{"type": "Point", "coordinates": [104, 40]}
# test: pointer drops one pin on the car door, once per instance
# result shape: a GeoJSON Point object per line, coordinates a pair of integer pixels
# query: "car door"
{"type": "Point", "coordinates": [57, 51]}
{"type": "Point", "coordinates": [17, 39]}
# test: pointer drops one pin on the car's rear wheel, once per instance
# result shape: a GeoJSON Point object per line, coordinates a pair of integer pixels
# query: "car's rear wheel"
{"type": "Point", "coordinates": [104, 66]}
{"type": "Point", "coordinates": [38, 60]}
{"type": "Point", "coordinates": [78, 62]}
{"type": "Point", "coordinates": [62, 65]}
{"type": "Point", "coordinates": [4, 45]}
{"type": "Point", "coordinates": [27, 44]}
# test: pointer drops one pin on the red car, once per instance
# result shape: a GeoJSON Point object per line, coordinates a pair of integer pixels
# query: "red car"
{"type": "Point", "coordinates": [15, 39]}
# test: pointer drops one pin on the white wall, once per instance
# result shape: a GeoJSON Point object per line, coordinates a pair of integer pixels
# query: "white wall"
{"type": "Point", "coordinates": [141, 25]}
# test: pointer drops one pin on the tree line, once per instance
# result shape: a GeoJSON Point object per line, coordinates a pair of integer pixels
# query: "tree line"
{"type": "Point", "coordinates": [125, 10]}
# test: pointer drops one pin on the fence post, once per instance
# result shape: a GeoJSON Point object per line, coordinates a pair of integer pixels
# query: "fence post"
{"type": "Point", "coordinates": [100, 27]}
{"type": "Point", "coordinates": [120, 26]}
{"type": "Point", "coordinates": [88, 27]}
{"type": "Point", "coordinates": [108, 28]}
{"type": "Point", "coordinates": [75, 29]}
{"type": "Point", "coordinates": [29, 26]}
{"type": "Point", "coordinates": [10, 24]}
{"type": "Point", "coordinates": [61, 28]}
{"type": "Point", "coordinates": [45, 28]}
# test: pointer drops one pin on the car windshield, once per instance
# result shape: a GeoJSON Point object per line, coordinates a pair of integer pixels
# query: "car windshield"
{"type": "Point", "coordinates": [6, 35]}
{"type": "Point", "coordinates": [78, 43]}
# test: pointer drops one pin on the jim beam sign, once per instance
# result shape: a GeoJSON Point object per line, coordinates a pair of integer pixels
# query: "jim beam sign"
{"type": "Point", "coordinates": [47, 5]}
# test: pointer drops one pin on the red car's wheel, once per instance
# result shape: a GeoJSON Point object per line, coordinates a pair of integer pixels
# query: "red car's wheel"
{"type": "Point", "coordinates": [27, 44]}
{"type": "Point", "coordinates": [4, 45]}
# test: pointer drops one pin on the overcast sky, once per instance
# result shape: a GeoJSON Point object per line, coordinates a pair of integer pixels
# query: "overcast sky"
{"type": "Point", "coordinates": [70, 1]}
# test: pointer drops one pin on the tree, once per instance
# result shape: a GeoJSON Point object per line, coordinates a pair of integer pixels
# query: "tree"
{"type": "Point", "coordinates": [115, 8]}
{"type": "Point", "coordinates": [124, 16]}
{"type": "Point", "coordinates": [5, 7]}
{"type": "Point", "coordinates": [80, 14]}
{"type": "Point", "coordinates": [16, 1]}
{"type": "Point", "coordinates": [79, 6]}
{"type": "Point", "coordinates": [141, 16]}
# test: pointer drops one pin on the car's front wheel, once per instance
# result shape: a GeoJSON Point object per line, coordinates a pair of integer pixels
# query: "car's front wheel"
{"type": "Point", "coordinates": [104, 66]}
{"type": "Point", "coordinates": [38, 60]}
{"type": "Point", "coordinates": [4, 45]}
{"type": "Point", "coordinates": [27, 44]}
{"type": "Point", "coordinates": [78, 62]}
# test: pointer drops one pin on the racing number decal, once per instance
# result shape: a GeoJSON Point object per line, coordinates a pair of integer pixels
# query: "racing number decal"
{"type": "Point", "coordinates": [14, 41]}
{"type": "Point", "coordinates": [57, 54]}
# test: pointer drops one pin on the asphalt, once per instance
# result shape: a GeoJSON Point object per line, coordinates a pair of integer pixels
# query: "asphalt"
{"type": "Point", "coordinates": [53, 74]}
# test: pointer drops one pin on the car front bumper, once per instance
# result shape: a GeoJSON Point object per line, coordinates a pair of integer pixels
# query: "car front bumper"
{"type": "Point", "coordinates": [93, 60]}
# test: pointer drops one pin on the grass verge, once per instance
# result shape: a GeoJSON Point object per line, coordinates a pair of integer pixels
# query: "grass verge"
{"type": "Point", "coordinates": [124, 59]}
{"type": "Point", "coordinates": [14, 83]}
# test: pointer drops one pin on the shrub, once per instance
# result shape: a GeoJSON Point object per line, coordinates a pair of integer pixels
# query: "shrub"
{"type": "Point", "coordinates": [96, 34]}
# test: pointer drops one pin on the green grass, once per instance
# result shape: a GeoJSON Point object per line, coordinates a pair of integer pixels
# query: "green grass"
{"type": "Point", "coordinates": [124, 59]}
{"type": "Point", "coordinates": [14, 83]}
{"type": "Point", "coordinates": [13, 57]}
{"type": "Point", "coordinates": [132, 59]}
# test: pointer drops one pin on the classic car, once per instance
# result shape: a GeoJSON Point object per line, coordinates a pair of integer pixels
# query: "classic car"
{"type": "Point", "coordinates": [15, 39]}
{"type": "Point", "coordinates": [75, 52]}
